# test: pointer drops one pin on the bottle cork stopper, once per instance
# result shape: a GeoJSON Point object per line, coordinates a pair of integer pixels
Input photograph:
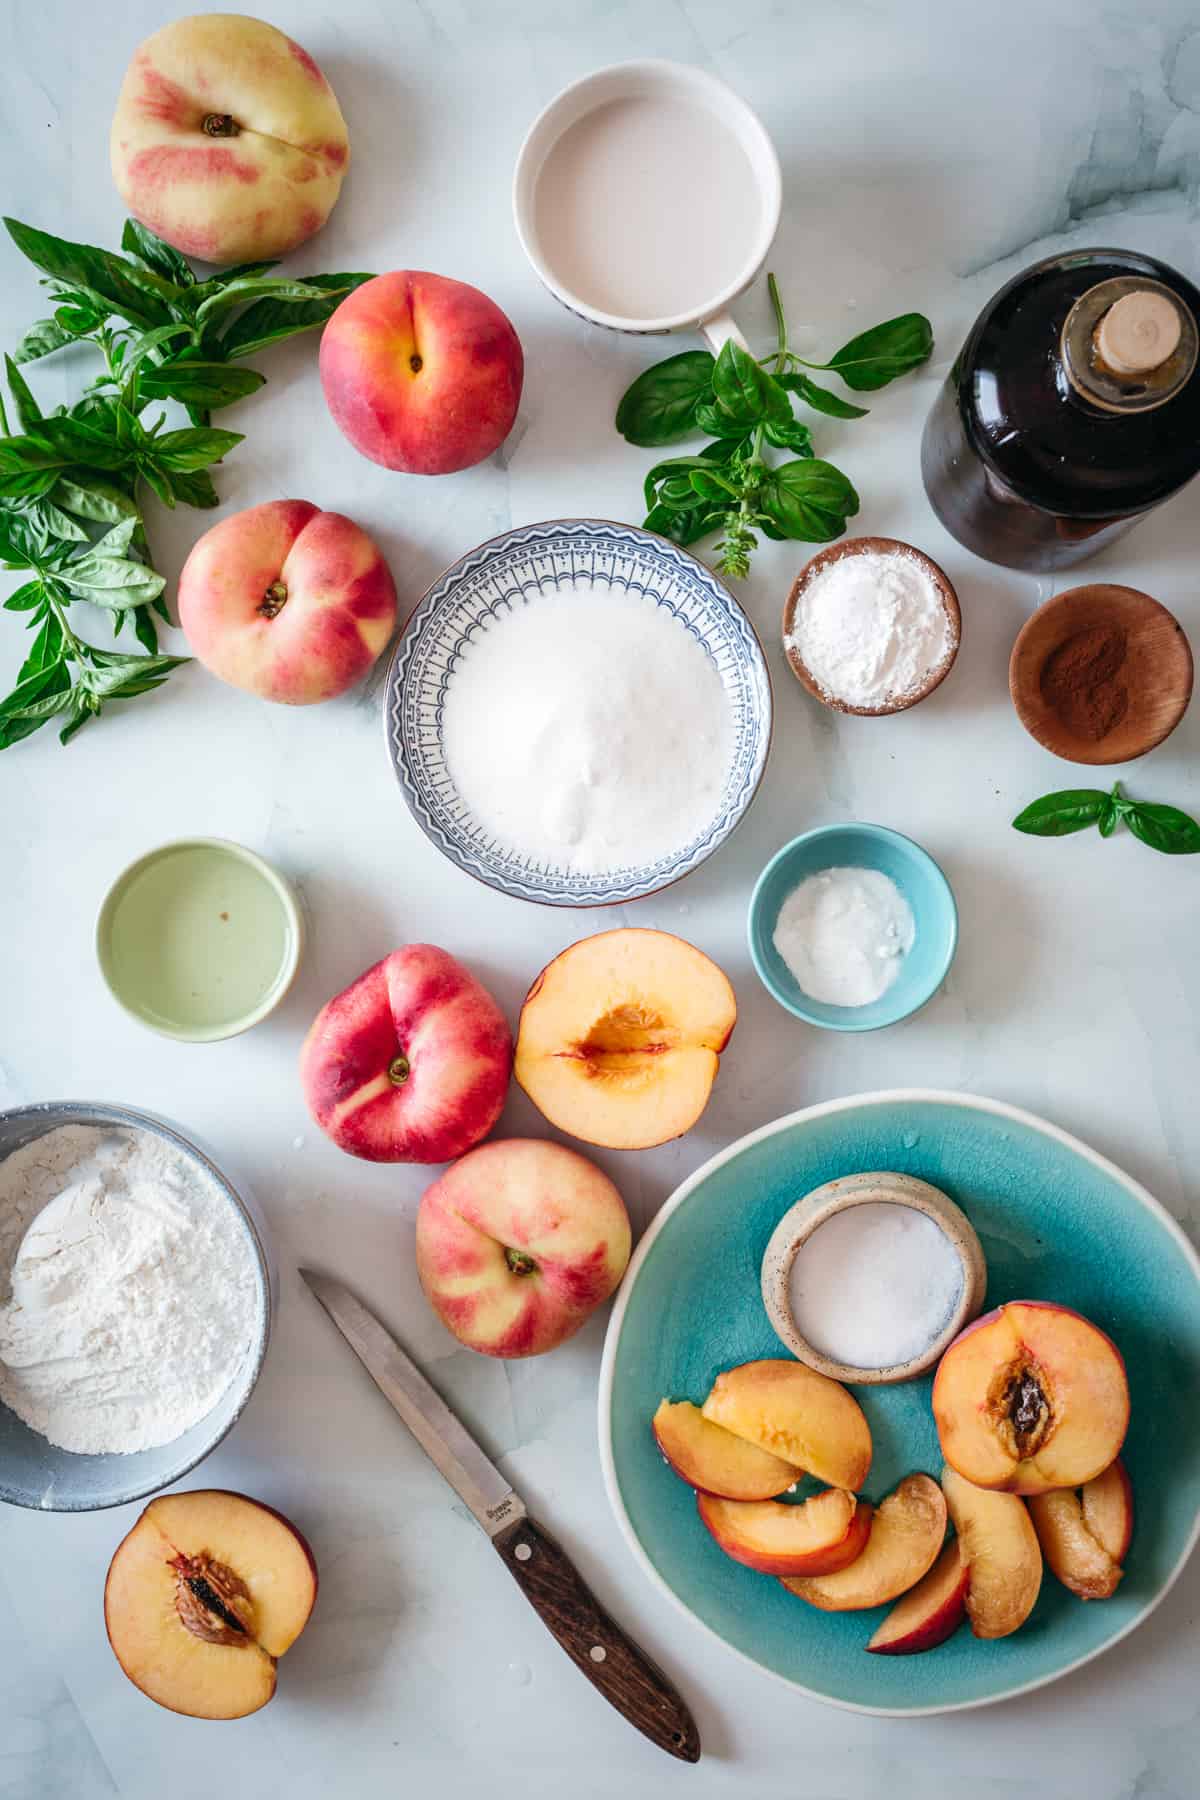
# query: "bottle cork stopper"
{"type": "Point", "coordinates": [1139, 332]}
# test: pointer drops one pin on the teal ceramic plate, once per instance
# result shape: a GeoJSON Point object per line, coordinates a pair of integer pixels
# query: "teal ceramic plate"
{"type": "Point", "coordinates": [1057, 1222]}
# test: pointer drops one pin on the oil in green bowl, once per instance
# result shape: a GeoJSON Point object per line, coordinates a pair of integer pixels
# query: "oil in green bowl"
{"type": "Point", "coordinates": [199, 939]}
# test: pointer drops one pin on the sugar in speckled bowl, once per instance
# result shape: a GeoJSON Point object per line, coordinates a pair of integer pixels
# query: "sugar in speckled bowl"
{"type": "Point", "coordinates": [38, 1474]}
{"type": "Point", "coordinates": [1057, 1222]}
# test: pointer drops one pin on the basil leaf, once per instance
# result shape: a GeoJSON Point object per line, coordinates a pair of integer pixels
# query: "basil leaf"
{"type": "Point", "coordinates": [665, 471]}
{"type": "Point", "coordinates": [28, 411]}
{"type": "Point", "coordinates": [719, 424]}
{"type": "Point", "coordinates": [745, 392]}
{"type": "Point", "coordinates": [138, 241]}
{"type": "Point", "coordinates": [65, 441]}
{"type": "Point", "coordinates": [83, 316]}
{"type": "Point", "coordinates": [121, 677]}
{"type": "Point", "coordinates": [107, 278]}
{"type": "Point", "coordinates": [820, 399]}
{"type": "Point", "coordinates": [27, 692]}
{"type": "Point", "coordinates": [194, 487]}
{"type": "Point", "coordinates": [684, 527]}
{"type": "Point", "coordinates": [254, 287]}
{"type": "Point", "coordinates": [789, 434]}
{"type": "Point", "coordinates": [60, 524]}
{"type": "Point", "coordinates": [80, 492]}
{"type": "Point", "coordinates": [718, 489]}
{"type": "Point", "coordinates": [205, 384]}
{"type": "Point", "coordinates": [875, 357]}
{"type": "Point", "coordinates": [144, 628]}
{"type": "Point", "coordinates": [46, 650]}
{"type": "Point", "coordinates": [112, 581]}
{"type": "Point", "coordinates": [1163, 828]}
{"type": "Point", "coordinates": [1059, 814]}
{"type": "Point", "coordinates": [238, 272]}
{"type": "Point", "coordinates": [269, 321]}
{"type": "Point", "coordinates": [808, 499]}
{"type": "Point", "coordinates": [150, 342]}
{"type": "Point", "coordinates": [41, 339]}
{"type": "Point", "coordinates": [117, 541]}
{"type": "Point", "coordinates": [661, 404]}
{"type": "Point", "coordinates": [54, 680]}
{"type": "Point", "coordinates": [24, 599]}
{"type": "Point", "coordinates": [1110, 812]}
{"type": "Point", "coordinates": [194, 448]}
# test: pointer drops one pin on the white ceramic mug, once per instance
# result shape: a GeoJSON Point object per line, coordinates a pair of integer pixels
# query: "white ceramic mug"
{"type": "Point", "coordinates": [649, 80]}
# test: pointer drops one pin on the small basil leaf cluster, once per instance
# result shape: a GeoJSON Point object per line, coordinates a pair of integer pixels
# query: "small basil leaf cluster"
{"type": "Point", "coordinates": [1163, 828]}
{"type": "Point", "coordinates": [743, 405]}
{"type": "Point", "coordinates": [71, 480]}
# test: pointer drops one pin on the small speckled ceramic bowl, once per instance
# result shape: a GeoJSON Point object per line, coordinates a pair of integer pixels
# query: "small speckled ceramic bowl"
{"type": "Point", "coordinates": [199, 939]}
{"type": "Point", "coordinates": [816, 1209]}
{"type": "Point", "coordinates": [919, 879]}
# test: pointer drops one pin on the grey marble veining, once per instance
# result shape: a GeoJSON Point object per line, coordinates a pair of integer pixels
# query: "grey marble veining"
{"type": "Point", "coordinates": [930, 149]}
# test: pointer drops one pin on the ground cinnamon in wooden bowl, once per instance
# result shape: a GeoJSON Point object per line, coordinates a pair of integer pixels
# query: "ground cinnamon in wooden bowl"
{"type": "Point", "coordinates": [1101, 674]}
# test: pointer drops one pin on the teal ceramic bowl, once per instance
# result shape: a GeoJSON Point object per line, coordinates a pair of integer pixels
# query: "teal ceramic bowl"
{"type": "Point", "coordinates": [858, 847]}
{"type": "Point", "coordinates": [1057, 1222]}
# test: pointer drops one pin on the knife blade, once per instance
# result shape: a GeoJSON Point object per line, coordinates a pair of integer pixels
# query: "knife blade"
{"type": "Point", "coordinates": [596, 1644]}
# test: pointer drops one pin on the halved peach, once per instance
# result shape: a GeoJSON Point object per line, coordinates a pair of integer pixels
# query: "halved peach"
{"type": "Point", "coordinates": [805, 1418]}
{"type": "Point", "coordinates": [816, 1537]}
{"type": "Point", "coordinates": [1107, 1503]}
{"type": "Point", "coordinates": [929, 1613]}
{"type": "Point", "coordinates": [202, 1595]}
{"type": "Point", "coordinates": [1030, 1398]}
{"type": "Point", "coordinates": [1078, 1559]}
{"type": "Point", "coordinates": [715, 1461]}
{"type": "Point", "coordinates": [1000, 1548]}
{"type": "Point", "coordinates": [907, 1532]}
{"type": "Point", "coordinates": [620, 1037]}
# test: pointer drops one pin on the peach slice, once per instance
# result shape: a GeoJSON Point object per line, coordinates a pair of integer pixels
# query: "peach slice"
{"type": "Point", "coordinates": [1078, 1559]}
{"type": "Point", "coordinates": [1000, 1548]}
{"type": "Point", "coordinates": [204, 1593]}
{"type": "Point", "coordinates": [1107, 1503]}
{"type": "Point", "coordinates": [620, 1038]}
{"type": "Point", "coordinates": [929, 1613]}
{"type": "Point", "coordinates": [907, 1532]}
{"type": "Point", "coordinates": [790, 1410]}
{"type": "Point", "coordinates": [1030, 1398]}
{"type": "Point", "coordinates": [713, 1460]}
{"type": "Point", "coordinates": [816, 1537]}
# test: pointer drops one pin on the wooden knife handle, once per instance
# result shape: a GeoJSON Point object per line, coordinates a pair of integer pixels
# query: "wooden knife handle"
{"type": "Point", "coordinates": [595, 1643]}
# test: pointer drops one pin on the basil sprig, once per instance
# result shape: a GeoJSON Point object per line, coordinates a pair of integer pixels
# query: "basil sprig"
{"type": "Point", "coordinates": [742, 405]}
{"type": "Point", "coordinates": [71, 480]}
{"type": "Point", "coordinates": [1163, 828]}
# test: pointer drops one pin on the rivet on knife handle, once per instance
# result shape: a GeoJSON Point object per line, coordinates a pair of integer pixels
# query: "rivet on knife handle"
{"type": "Point", "coordinates": [595, 1642]}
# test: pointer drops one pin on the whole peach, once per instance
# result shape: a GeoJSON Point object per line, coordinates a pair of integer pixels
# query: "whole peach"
{"type": "Point", "coordinates": [410, 1063]}
{"type": "Point", "coordinates": [287, 601]}
{"type": "Point", "coordinates": [518, 1243]}
{"type": "Point", "coordinates": [227, 139]}
{"type": "Point", "coordinates": [422, 373]}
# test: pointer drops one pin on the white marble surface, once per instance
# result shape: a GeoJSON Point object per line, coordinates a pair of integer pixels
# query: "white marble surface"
{"type": "Point", "coordinates": [929, 151]}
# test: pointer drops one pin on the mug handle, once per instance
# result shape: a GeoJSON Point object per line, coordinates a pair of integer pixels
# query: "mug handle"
{"type": "Point", "coordinates": [720, 330]}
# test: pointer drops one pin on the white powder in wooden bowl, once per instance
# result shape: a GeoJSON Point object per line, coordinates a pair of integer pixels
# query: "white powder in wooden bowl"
{"type": "Point", "coordinates": [871, 628]}
{"type": "Point", "coordinates": [590, 732]}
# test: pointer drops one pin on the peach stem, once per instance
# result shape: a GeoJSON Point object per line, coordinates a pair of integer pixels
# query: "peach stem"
{"type": "Point", "coordinates": [519, 1263]}
{"type": "Point", "coordinates": [398, 1070]}
{"type": "Point", "coordinates": [274, 600]}
{"type": "Point", "coordinates": [221, 125]}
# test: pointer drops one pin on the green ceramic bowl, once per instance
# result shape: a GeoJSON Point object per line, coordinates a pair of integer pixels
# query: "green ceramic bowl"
{"type": "Point", "coordinates": [1057, 1222]}
{"type": "Point", "coordinates": [199, 939]}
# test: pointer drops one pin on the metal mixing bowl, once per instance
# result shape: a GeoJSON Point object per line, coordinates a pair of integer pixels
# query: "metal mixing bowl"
{"type": "Point", "coordinates": [37, 1474]}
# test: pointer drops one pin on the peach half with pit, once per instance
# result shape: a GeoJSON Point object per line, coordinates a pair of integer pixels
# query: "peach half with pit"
{"type": "Point", "coordinates": [207, 1590]}
{"type": "Point", "coordinates": [1029, 1398]}
{"type": "Point", "coordinates": [621, 1035]}
{"type": "Point", "coordinates": [906, 1536]}
{"type": "Point", "coordinates": [814, 1537]}
{"type": "Point", "coordinates": [715, 1461]}
{"type": "Point", "coordinates": [997, 1542]}
{"type": "Point", "coordinates": [804, 1418]}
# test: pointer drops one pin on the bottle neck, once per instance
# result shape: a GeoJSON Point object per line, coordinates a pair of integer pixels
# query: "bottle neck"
{"type": "Point", "coordinates": [1129, 345]}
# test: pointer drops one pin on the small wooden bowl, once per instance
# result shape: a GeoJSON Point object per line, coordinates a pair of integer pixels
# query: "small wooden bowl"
{"type": "Point", "coordinates": [801, 1220]}
{"type": "Point", "coordinates": [865, 546]}
{"type": "Point", "coordinates": [1156, 673]}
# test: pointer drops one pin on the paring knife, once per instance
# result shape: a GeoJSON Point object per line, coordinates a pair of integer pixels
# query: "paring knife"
{"type": "Point", "coordinates": [546, 1576]}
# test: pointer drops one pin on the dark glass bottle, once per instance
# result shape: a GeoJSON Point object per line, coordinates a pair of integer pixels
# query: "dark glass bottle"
{"type": "Point", "coordinates": [1072, 409]}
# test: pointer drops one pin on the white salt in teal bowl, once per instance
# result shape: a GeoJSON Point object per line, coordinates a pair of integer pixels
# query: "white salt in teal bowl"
{"type": "Point", "coordinates": [38, 1474]}
{"type": "Point", "coordinates": [525, 569]}
{"type": "Point", "coordinates": [919, 879]}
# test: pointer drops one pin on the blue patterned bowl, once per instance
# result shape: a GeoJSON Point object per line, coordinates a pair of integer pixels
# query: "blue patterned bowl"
{"type": "Point", "coordinates": [524, 568]}
{"type": "Point", "coordinates": [1057, 1222]}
